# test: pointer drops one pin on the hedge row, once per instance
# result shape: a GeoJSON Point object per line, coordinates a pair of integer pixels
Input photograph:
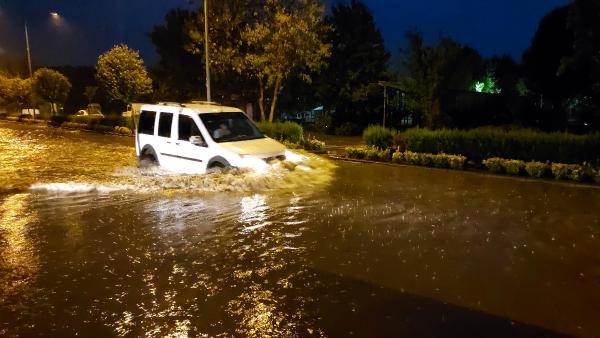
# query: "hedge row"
{"type": "Point", "coordinates": [291, 134]}
{"type": "Point", "coordinates": [283, 131]}
{"type": "Point", "coordinates": [430, 160]}
{"type": "Point", "coordinates": [527, 145]}
{"type": "Point", "coordinates": [560, 171]}
{"type": "Point", "coordinates": [109, 121]}
{"type": "Point", "coordinates": [368, 153]}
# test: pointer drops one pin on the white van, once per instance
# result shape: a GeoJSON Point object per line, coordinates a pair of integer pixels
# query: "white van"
{"type": "Point", "coordinates": [195, 137]}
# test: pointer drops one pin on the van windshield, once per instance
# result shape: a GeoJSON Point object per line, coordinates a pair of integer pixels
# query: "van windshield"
{"type": "Point", "coordinates": [230, 127]}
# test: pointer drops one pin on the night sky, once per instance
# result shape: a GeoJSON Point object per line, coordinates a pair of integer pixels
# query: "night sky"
{"type": "Point", "coordinates": [88, 28]}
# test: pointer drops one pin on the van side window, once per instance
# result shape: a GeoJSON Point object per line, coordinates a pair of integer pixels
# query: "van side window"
{"type": "Point", "coordinates": [164, 124]}
{"type": "Point", "coordinates": [187, 128]}
{"type": "Point", "coordinates": [147, 119]}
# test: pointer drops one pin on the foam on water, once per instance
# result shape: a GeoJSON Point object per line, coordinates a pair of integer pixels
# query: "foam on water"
{"type": "Point", "coordinates": [300, 172]}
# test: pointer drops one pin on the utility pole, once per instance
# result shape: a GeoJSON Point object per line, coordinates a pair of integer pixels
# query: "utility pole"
{"type": "Point", "coordinates": [206, 56]}
{"type": "Point", "coordinates": [28, 51]}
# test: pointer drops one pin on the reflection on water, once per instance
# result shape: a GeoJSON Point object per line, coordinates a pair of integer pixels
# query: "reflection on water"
{"type": "Point", "coordinates": [20, 264]}
{"type": "Point", "coordinates": [92, 246]}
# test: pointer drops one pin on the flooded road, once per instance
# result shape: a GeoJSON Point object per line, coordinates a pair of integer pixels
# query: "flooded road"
{"type": "Point", "coordinates": [92, 246]}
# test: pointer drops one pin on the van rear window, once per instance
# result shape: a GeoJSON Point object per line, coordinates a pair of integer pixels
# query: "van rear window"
{"type": "Point", "coordinates": [147, 119]}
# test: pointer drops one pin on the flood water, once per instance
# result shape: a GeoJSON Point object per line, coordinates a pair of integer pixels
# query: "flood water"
{"type": "Point", "coordinates": [91, 246]}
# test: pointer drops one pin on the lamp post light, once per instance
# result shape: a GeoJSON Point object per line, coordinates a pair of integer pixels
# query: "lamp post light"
{"type": "Point", "coordinates": [56, 17]}
{"type": "Point", "coordinates": [28, 51]}
{"type": "Point", "coordinates": [206, 56]}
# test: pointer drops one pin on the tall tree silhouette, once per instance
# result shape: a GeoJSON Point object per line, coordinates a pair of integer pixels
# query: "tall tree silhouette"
{"type": "Point", "coordinates": [358, 61]}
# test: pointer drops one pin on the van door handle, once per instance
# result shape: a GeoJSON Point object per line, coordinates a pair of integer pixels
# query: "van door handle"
{"type": "Point", "coordinates": [168, 142]}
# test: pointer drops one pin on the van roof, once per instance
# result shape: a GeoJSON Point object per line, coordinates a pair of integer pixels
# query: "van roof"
{"type": "Point", "coordinates": [201, 107]}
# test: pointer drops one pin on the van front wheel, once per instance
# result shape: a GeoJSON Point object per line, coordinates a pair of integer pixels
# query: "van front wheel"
{"type": "Point", "coordinates": [147, 161]}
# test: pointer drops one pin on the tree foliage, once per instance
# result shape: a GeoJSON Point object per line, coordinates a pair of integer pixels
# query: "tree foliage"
{"type": "Point", "coordinates": [15, 93]}
{"type": "Point", "coordinates": [181, 72]}
{"type": "Point", "coordinates": [51, 86]}
{"type": "Point", "coordinates": [268, 40]}
{"type": "Point", "coordinates": [358, 62]}
{"type": "Point", "coordinates": [432, 70]}
{"type": "Point", "coordinates": [122, 73]}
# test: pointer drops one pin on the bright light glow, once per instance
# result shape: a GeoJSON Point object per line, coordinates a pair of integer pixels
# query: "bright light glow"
{"type": "Point", "coordinates": [256, 164]}
{"type": "Point", "coordinates": [54, 15]}
{"type": "Point", "coordinates": [294, 157]}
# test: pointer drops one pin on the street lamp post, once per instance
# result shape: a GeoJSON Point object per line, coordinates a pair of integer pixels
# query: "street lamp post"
{"type": "Point", "coordinates": [28, 51]}
{"type": "Point", "coordinates": [206, 56]}
{"type": "Point", "coordinates": [56, 17]}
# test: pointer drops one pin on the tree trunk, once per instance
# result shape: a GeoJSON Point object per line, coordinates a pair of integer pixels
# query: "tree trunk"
{"type": "Point", "coordinates": [261, 98]}
{"type": "Point", "coordinates": [275, 95]}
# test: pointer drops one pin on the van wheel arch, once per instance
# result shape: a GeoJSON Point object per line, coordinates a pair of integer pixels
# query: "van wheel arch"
{"type": "Point", "coordinates": [217, 162]}
{"type": "Point", "coordinates": [148, 157]}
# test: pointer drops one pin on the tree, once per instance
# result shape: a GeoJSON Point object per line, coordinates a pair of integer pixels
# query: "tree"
{"type": "Point", "coordinates": [15, 93]}
{"type": "Point", "coordinates": [433, 70]}
{"type": "Point", "coordinates": [181, 72]}
{"type": "Point", "coordinates": [122, 73]}
{"type": "Point", "coordinates": [358, 62]}
{"type": "Point", "coordinates": [267, 40]}
{"type": "Point", "coordinates": [51, 86]}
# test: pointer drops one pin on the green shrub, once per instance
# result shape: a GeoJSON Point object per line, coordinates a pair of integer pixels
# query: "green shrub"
{"type": "Point", "coordinates": [117, 121]}
{"type": "Point", "coordinates": [368, 153]}
{"type": "Point", "coordinates": [457, 161]}
{"type": "Point", "coordinates": [291, 145]}
{"type": "Point", "coordinates": [513, 167]}
{"type": "Point", "coordinates": [537, 169]}
{"type": "Point", "coordinates": [399, 142]}
{"type": "Point", "coordinates": [290, 131]}
{"type": "Point", "coordinates": [560, 171]}
{"type": "Point", "coordinates": [412, 158]}
{"type": "Point", "coordinates": [73, 125]}
{"type": "Point", "coordinates": [312, 144]}
{"type": "Point", "coordinates": [441, 161]}
{"type": "Point", "coordinates": [494, 164]}
{"type": "Point", "coordinates": [103, 129]}
{"type": "Point", "coordinates": [520, 144]}
{"type": "Point", "coordinates": [378, 136]}
{"type": "Point", "coordinates": [398, 157]}
{"type": "Point", "coordinates": [123, 131]}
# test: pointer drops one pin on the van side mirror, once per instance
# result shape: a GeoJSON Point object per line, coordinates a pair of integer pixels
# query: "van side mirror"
{"type": "Point", "coordinates": [197, 141]}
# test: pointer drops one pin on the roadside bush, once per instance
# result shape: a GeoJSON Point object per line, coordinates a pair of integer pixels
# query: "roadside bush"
{"type": "Point", "coordinates": [117, 121]}
{"type": "Point", "coordinates": [513, 167]}
{"type": "Point", "coordinates": [73, 125]}
{"type": "Point", "coordinates": [412, 158]}
{"type": "Point", "coordinates": [290, 131]}
{"type": "Point", "coordinates": [398, 157]}
{"type": "Point", "coordinates": [399, 142]}
{"type": "Point", "coordinates": [537, 169]}
{"type": "Point", "coordinates": [494, 164]}
{"type": "Point", "coordinates": [378, 136]}
{"type": "Point", "coordinates": [430, 160]}
{"type": "Point", "coordinates": [575, 172]}
{"type": "Point", "coordinates": [57, 120]}
{"type": "Point", "coordinates": [312, 144]}
{"type": "Point", "coordinates": [103, 129]}
{"type": "Point", "coordinates": [123, 131]}
{"type": "Point", "coordinates": [368, 153]}
{"type": "Point", "coordinates": [519, 144]}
